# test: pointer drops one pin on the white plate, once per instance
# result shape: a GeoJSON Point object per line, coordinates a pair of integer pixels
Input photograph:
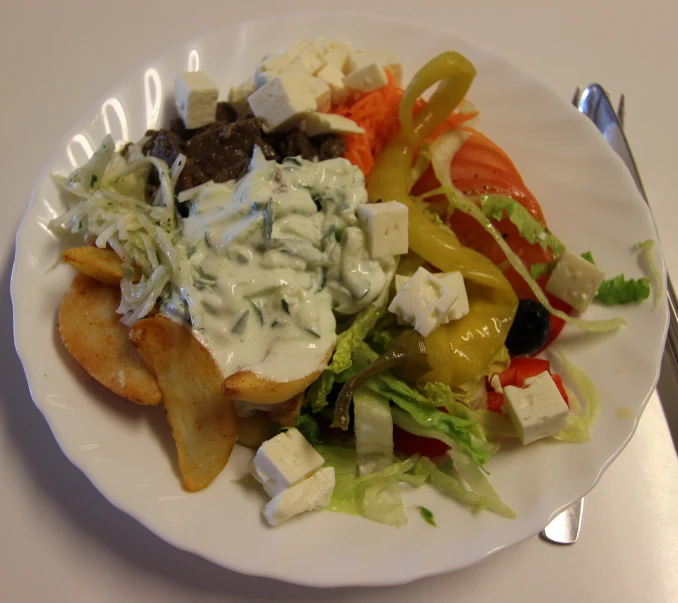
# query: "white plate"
{"type": "Point", "coordinates": [591, 203]}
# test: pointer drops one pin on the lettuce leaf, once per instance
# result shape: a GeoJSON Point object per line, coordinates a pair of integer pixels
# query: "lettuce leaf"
{"type": "Point", "coordinates": [619, 290]}
{"type": "Point", "coordinates": [364, 322]}
{"type": "Point", "coordinates": [451, 484]}
{"type": "Point", "coordinates": [308, 427]}
{"type": "Point", "coordinates": [376, 495]}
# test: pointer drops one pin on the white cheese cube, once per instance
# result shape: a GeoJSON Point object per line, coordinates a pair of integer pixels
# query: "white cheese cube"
{"type": "Point", "coordinates": [423, 301]}
{"type": "Point", "coordinates": [195, 95]}
{"type": "Point", "coordinates": [385, 225]}
{"type": "Point", "coordinates": [324, 123]}
{"type": "Point", "coordinates": [575, 281]}
{"type": "Point", "coordinates": [368, 78]}
{"type": "Point", "coordinates": [320, 91]}
{"type": "Point", "coordinates": [238, 95]}
{"type": "Point", "coordinates": [455, 282]}
{"type": "Point", "coordinates": [537, 410]}
{"type": "Point", "coordinates": [334, 78]}
{"type": "Point", "coordinates": [308, 55]}
{"type": "Point", "coordinates": [400, 280]}
{"type": "Point", "coordinates": [283, 101]}
{"type": "Point", "coordinates": [362, 58]}
{"type": "Point", "coordinates": [336, 55]}
{"type": "Point", "coordinates": [283, 461]}
{"type": "Point", "coordinates": [272, 66]}
{"type": "Point", "coordinates": [313, 493]}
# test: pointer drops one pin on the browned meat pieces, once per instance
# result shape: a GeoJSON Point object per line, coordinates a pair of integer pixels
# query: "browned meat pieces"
{"type": "Point", "coordinates": [223, 153]}
{"type": "Point", "coordinates": [222, 150]}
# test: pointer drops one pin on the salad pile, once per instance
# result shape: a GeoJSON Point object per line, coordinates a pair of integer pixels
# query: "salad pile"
{"type": "Point", "coordinates": [327, 268]}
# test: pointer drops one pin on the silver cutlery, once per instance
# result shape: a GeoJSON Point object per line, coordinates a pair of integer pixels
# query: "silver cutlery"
{"type": "Point", "coordinates": [594, 102]}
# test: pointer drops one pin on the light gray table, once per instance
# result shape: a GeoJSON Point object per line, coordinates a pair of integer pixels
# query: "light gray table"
{"type": "Point", "coordinates": [62, 542]}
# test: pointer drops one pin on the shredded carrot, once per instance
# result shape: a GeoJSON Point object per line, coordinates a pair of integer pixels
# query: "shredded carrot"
{"type": "Point", "coordinates": [377, 113]}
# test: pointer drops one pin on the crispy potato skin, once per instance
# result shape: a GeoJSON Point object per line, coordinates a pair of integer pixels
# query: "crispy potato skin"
{"type": "Point", "coordinates": [203, 421]}
{"type": "Point", "coordinates": [93, 334]}
{"type": "Point", "coordinates": [250, 387]}
{"type": "Point", "coordinates": [103, 265]}
{"type": "Point", "coordinates": [287, 417]}
{"type": "Point", "coordinates": [254, 430]}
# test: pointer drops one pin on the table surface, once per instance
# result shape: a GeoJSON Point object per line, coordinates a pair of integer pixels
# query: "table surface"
{"type": "Point", "coordinates": [62, 541]}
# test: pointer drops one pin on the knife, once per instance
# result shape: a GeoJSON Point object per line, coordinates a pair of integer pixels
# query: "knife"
{"type": "Point", "coordinates": [594, 102]}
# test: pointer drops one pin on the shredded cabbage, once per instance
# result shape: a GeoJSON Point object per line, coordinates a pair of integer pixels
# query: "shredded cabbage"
{"type": "Point", "coordinates": [646, 247]}
{"type": "Point", "coordinates": [105, 199]}
{"type": "Point", "coordinates": [580, 420]}
{"type": "Point", "coordinates": [495, 206]}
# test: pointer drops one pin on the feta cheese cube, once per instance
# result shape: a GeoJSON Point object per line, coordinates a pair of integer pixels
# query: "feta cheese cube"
{"type": "Point", "coordinates": [423, 301]}
{"type": "Point", "coordinates": [362, 58]}
{"type": "Point", "coordinates": [313, 493]}
{"type": "Point", "coordinates": [368, 78]}
{"type": "Point", "coordinates": [283, 101]}
{"type": "Point", "coordinates": [455, 282]}
{"type": "Point", "coordinates": [336, 55]}
{"type": "Point", "coordinates": [283, 461]}
{"type": "Point", "coordinates": [308, 55]}
{"type": "Point", "coordinates": [334, 78]}
{"type": "Point", "coordinates": [320, 91]}
{"type": "Point", "coordinates": [272, 66]}
{"type": "Point", "coordinates": [195, 95]}
{"type": "Point", "coordinates": [238, 95]}
{"type": "Point", "coordinates": [385, 225]}
{"type": "Point", "coordinates": [324, 123]}
{"type": "Point", "coordinates": [537, 410]}
{"type": "Point", "coordinates": [575, 281]}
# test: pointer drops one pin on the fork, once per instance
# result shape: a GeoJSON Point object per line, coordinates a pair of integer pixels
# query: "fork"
{"type": "Point", "coordinates": [564, 528]}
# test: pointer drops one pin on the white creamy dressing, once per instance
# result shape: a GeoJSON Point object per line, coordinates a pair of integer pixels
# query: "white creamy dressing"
{"type": "Point", "coordinates": [272, 257]}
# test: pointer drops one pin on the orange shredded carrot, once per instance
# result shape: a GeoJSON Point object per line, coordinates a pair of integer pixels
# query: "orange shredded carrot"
{"type": "Point", "coordinates": [377, 113]}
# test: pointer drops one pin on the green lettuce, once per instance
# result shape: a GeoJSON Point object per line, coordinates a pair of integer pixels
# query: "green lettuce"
{"type": "Point", "coordinates": [376, 495]}
{"type": "Point", "coordinates": [364, 322]}
{"type": "Point", "coordinates": [620, 290]}
{"type": "Point", "coordinates": [308, 427]}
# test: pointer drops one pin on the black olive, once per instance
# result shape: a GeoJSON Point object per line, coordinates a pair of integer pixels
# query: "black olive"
{"type": "Point", "coordinates": [530, 329]}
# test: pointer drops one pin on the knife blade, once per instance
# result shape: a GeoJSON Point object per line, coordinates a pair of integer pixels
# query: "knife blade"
{"type": "Point", "coordinates": [595, 103]}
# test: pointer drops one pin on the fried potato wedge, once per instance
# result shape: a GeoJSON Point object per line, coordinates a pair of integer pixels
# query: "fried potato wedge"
{"type": "Point", "coordinates": [93, 334]}
{"type": "Point", "coordinates": [103, 265]}
{"type": "Point", "coordinates": [254, 430]}
{"type": "Point", "coordinates": [248, 386]}
{"type": "Point", "coordinates": [203, 421]}
{"type": "Point", "coordinates": [287, 417]}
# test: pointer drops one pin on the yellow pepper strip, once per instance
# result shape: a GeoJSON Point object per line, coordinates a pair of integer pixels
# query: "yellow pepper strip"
{"type": "Point", "coordinates": [461, 350]}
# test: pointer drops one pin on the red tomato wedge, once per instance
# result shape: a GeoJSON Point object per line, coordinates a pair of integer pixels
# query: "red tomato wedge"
{"type": "Point", "coordinates": [481, 167]}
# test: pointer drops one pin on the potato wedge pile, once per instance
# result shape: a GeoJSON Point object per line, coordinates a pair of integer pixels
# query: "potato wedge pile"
{"type": "Point", "coordinates": [203, 421]}
{"type": "Point", "coordinates": [99, 342]}
{"type": "Point", "coordinates": [160, 360]}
